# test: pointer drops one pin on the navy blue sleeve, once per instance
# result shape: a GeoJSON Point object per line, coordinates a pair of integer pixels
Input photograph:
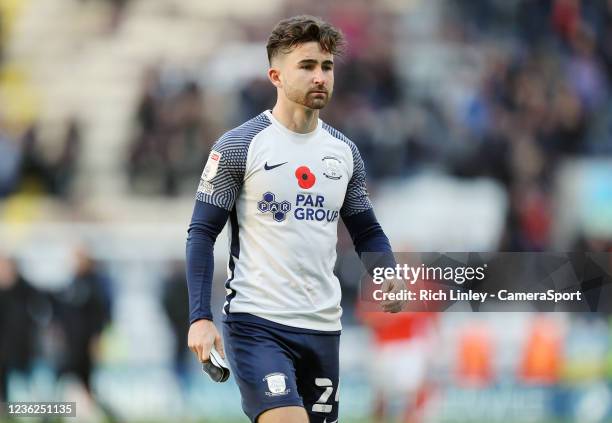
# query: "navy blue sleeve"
{"type": "Point", "coordinates": [369, 237]}
{"type": "Point", "coordinates": [206, 224]}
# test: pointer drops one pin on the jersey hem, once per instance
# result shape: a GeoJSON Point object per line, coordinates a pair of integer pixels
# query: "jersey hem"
{"type": "Point", "coordinates": [252, 318]}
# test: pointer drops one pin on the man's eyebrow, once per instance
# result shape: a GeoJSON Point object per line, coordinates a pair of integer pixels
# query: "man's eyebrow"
{"type": "Point", "coordinates": [314, 62]}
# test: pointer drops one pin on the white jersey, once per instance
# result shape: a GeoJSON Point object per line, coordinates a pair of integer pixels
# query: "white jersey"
{"type": "Point", "coordinates": [285, 192]}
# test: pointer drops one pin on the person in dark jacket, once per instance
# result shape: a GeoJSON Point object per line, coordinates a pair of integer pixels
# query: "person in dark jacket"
{"type": "Point", "coordinates": [22, 309]}
{"type": "Point", "coordinates": [83, 310]}
{"type": "Point", "coordinates": [175, 299]}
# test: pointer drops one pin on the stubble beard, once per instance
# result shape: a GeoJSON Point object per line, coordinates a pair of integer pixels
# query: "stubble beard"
{"type": "Point", "coordinates": [308, 99]}
{"type": "Point", "coordinates": [316, 103]}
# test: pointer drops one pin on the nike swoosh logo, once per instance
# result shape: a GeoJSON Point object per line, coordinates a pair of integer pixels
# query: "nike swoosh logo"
{"type": "Point", "coordinates": [266, 167]}
{"type": "Point", "coordinates": [335, 421]}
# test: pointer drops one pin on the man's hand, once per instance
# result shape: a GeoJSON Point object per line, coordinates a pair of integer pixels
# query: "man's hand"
{"type": "Point", "coordinates": [202, 336]}
{"type": "Point", "coordinates": [395, 286]}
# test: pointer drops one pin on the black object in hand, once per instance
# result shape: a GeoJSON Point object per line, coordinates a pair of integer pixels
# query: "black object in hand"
{"type": "Point", "coordinates": [216, 368]}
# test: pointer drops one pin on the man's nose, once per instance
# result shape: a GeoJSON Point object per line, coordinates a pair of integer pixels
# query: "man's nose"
{"type": "Point", "coordinates": [318, 78]}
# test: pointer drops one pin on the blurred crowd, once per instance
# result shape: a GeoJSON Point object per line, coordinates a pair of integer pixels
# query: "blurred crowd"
{"type": "Point", "coordinates": [26, 166]}
{"type": "Point", "coordinates": [537, 95]}
{"type": "Point", "coordinates": [62, 328]}
{"type": "Point", "coordinates": [171, 135]}
{"type": "Point", "coordinates": [425, 360]}
{"type": "Point", "coordinates": [540, 96]}
{"type": "Point", "coordinates": [544, 99]}
{"type": "Point", "coordinates": [61, 331]}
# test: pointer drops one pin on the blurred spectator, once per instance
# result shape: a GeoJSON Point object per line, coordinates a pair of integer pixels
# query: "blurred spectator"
{"type": "Point", "coordinates": [475, 367]}
{"type": "Point", "coordinates": [256, 96]}
{"type": "Point", "coordinates": [118, 8]}
{"type": "Point", "coordinates": [585, 72]}
{"type": "Point", "coordinates": [190, 140]}
{"type": "Point", "coordinates": [10, 159]}
{"type": "Point", "coordinates": [117, 12]}
{"type": "Point", "coordinates": [39, 172]}
{"type": "Point", "coordinates": [566, 17]}
{"type": "Point", "coordinates": [175, 300]}
{"type": "Point", "coordinates": [22, 310]}
{"type": "Point", "coordinates": [64, 168]}
{"type": "Point", "coordinates": [35, 167]}
{"type": "Point", "coordinates": [399, 365]}
{"type": "Point", "coordinates": [83, 311]}
{"type": "Point", "coordinates": [542, 358]}
{"type": "Point", "coordinates": [145, 150]}
{"type": "Point", "coordinates": [604, 42]}
{"type": "Point", "coordinates": [171, 140]}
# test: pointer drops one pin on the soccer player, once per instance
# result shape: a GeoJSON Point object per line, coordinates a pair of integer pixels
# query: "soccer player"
{"type": "Point", "coordinates": [283, 178]}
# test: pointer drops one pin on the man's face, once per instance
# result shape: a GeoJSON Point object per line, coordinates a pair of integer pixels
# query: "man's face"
{"type": "Point", "coordinates": [307, 75]}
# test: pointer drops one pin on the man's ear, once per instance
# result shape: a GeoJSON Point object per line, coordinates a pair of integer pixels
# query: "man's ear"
{"type": "Point", "coordinates": [274, 77]}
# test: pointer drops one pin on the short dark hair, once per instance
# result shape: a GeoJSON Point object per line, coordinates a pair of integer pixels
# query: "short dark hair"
{"type": "Point", "coordinates": [302, 29]}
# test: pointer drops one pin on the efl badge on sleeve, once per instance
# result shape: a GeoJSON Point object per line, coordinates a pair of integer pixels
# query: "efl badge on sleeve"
{"type": "Point", "coordinates": [212, 165]}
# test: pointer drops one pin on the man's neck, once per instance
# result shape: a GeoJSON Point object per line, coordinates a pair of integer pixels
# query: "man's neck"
{"type": "Point", "coordinates": [297, 119]}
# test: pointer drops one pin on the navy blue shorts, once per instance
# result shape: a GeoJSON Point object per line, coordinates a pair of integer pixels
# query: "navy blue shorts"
{"type": "Point", "coordinates": [278, 366]}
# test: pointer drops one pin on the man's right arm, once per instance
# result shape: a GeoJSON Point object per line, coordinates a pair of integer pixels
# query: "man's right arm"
{"type": "Point", "coordinates": [218, 189]}
{"type": "Point", "coordinates": [217, 192]}
{"type": "Point", "coordinates": [206, 224]}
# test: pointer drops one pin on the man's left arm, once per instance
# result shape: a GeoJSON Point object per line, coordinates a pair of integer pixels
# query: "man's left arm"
{"type": "Point", "coordinates": [366, 233]}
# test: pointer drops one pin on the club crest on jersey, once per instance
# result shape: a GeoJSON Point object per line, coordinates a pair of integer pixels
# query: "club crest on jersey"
{"type": "Point", "coordinates": [306, 179]}
{"type": "Point", "coordinates": [212, 165]}
{"type": "Point", "coordinates": [276, 384]}
{"type": "Point", "coordinates": [278, 209]}
{"type": "Point", "coordinates": [332, 168]}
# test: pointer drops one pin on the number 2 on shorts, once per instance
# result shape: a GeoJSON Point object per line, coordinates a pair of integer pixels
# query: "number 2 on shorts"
{"type": "Point", "coordinates": [321, 405]}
